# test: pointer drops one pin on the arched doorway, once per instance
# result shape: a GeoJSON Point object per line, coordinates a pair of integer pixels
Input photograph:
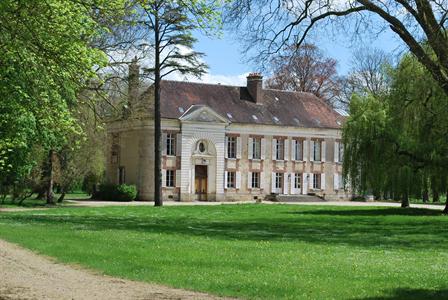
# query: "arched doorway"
{"type": "Point", "coordinates": [203, 166]}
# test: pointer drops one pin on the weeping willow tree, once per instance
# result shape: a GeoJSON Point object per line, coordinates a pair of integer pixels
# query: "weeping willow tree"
{"type": "Point", "coordinates": [395, 143]}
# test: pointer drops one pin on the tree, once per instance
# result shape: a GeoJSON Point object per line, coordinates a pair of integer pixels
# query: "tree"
{"type": "Point", "coordinates": [369, 72]}
{"type": "Point", "coordinates": [46, 58]}
{"type": "Point", "coordinates": [83, 154]}
{"type": "Point", "coordinates": [305, 69]}
{"type": "Point", "coordinates": [269, 25]}
{"type": "Point", "coordinates": [167, 26]}
{"type": "Point", "coordinates": [395, 143]}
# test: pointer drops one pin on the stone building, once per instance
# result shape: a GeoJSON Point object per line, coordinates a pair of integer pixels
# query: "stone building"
{"type": "Point", "coordinates": [225, 143]}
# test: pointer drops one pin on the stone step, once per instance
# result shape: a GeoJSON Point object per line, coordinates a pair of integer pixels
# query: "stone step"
{"type": "Point", "coordinates": [298, 198]}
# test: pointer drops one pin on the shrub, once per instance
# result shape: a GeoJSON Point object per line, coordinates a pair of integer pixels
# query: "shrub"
{"type": "Point", "coordinates": [115, 192]}
{"type": "Point", "coordinates": [126, 192]}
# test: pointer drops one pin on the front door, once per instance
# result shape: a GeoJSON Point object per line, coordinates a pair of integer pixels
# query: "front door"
{"type": "Point", "coordinates": [200, 182]}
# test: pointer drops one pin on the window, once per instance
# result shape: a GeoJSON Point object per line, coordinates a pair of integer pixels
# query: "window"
{"type": "Point", "coordinates": [341, 152]}
{"type": "Point", "coordinates": [256, 180]}
{"type": "Point", "coordinates": [278, 180]}
{"type": "Point", "coordinates": [316, 181]}
{"type": "Point", "coordinates": [114, 157]}
{"type": "Point", "coordinates": [201, 147]}
{"type": "Point", "coordinates": [170, 144]}
{"type": "Point", "coordinates": [298, 181]}
{"type": "Point", "coordinates": [121, 175]}
{"type": "Point", "coordinates": [298, 150]}
{"type": "Point", "coordinates": [256, 148]}
{"type": "Point", "coordinates": [280, 149]}
{"type": "Point", "coordinates": [317, 150]}
{"type": "Point", "coordinates": [340, 182]}
{"type": "Point", "coordinates": [170, 180]}
{"type": "Point", "coordinates": [231, 179]}
{"type": "Point", "coordinates": [231, 147]}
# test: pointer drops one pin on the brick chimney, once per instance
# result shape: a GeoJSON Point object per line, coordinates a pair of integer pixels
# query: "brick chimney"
{"type": "Point", "coordinates": [133, 82]}
{"type": "Point", "coordinates": [255, 86]}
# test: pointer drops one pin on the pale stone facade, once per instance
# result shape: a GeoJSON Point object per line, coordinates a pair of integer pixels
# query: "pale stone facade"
{"type": "Point", "coordinates": [211, 157]}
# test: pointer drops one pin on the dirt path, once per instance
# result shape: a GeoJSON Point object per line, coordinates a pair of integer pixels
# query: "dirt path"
{"type": "Point", "coordinates": [25, 275]}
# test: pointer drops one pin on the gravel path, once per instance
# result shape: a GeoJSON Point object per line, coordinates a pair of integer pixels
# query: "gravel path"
{"type": "Point", "coordinates": [25, 275]}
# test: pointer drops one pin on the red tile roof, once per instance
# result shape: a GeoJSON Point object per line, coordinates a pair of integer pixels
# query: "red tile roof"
{"type": "Point", "coordinates": [235, 103]}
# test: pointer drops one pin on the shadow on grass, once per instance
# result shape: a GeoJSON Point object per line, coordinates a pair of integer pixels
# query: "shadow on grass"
{"type": "Point", "coordinates": [375, 212]}
{"type": "Point", "coordinates": [413, 294]}
{"type": "Point", "coordinates": [354, 227]}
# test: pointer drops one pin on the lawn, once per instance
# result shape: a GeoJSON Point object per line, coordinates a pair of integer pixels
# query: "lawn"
{"type": "Point", "coordinates": [33, 202]}
{"type": "Point", "coordinates": [251, 251]}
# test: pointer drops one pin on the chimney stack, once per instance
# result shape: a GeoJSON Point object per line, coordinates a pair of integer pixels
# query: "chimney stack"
{"type": "Point", "coordinates": [255, 86]}
{"type": "Point", "coordinates": [133, 82]}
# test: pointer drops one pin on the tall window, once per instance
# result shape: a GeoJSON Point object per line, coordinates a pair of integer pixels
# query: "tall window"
{"type": "Point", "coordinates": [121, 175]}
{"type": "Point", "coordinates": [280, 150]}
{"type": "Point", "coordinates": [256, 180]}
{"type": "Point", "coordinates": [340, 181]}
{"type": "Point", "coordinates": [317, 150]}
{"type": "Point", "coordinates": [278, 180]}
{"type": "Point", "coordinates": [170, 180]}
{"type": "Point", "coordinates": [298, 181]}
{"type": "Point", "coordinates": [231, 147]}
{"type": "Point", "coordinates": [316, 181]}
{"type": "Point", "coordinates": [256, 148]}
{"type": "Point", "coordinates": [341, 152]}
{"type": "Point", "coordinates": [298, 150]}
{"type": "Point", "coordinates": [170, 144]}
{"type": "Point", "coordinates": [231, 179]}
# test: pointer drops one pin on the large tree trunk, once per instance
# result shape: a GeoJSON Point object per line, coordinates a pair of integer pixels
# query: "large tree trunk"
{"type": "Point", "coordinates": [434, 189]}
{"type": "Point", "coordinates": [157, 119]}
{"type": "Point", "coordinates": [50, 179]}
{"type": "Point", "coordinates": [435, 196]}
{"type": "Point", "coordinates": [405, 199]}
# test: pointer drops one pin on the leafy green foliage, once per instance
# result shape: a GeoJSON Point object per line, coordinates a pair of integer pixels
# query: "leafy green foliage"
{"type": "Point", "coordinates": [116, 192]}
{"type": "Point", "coordinates": [396, 142]}
{"type": "Point", "coordinates": [46, 58]}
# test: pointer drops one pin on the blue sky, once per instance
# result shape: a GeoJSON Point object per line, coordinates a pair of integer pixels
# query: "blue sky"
{"type": "Point", "coordinates": [227, 66]}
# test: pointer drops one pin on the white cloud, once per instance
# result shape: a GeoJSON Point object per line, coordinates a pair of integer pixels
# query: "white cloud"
{"type": "Point", "coordinates": [146, 61]}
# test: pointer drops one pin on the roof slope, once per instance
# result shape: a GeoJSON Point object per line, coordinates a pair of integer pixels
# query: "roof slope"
{"type": "Point", "coordinates": [235, 103]}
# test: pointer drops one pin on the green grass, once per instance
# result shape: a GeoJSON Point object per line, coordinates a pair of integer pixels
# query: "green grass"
{"type": "Point", "coordinates": [251, 251]}
{"type": "Point", "coordinates": [418, 201]}
{"type": "Point", "coordinates": [33, 202]}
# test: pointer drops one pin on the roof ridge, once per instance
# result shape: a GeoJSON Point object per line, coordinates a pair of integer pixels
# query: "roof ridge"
{"type": "Point", "coordinates": [286, 91]}
{"type": "Point", "coordinates": [203, 83]}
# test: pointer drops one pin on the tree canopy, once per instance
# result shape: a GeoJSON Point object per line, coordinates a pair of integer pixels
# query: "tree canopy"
{"type": "Point", "coordinates": [269, 25]}
{"type": "Point", "coordinates": [396, 142]}
{"type": "Point", "coordinates": [46, 57]}
{"type": "Point", "coordinates": [305, 69]}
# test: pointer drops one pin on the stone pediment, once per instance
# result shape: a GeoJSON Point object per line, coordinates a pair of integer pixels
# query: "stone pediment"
{"type": "Point", "coordinates": [202, 113]}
